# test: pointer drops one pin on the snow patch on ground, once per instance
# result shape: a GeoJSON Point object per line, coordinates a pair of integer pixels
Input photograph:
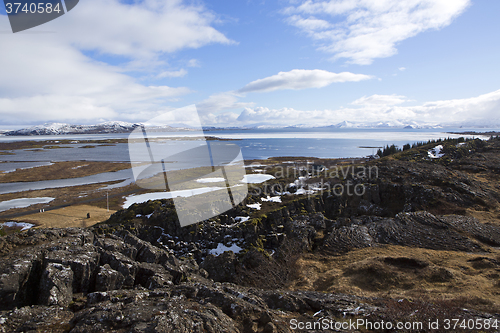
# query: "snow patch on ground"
{"type": "Point", "coordinates": [302, 191]}
{"type": "Point", "coordinates": [257, 206]}
{"type": "Point", "coordinates": [221, 248]}
{"type": "Point", "coordinates": [23, 203]}
{"type": "Point", "coordinates": [256, 178]}
{"type": "Point", "coordinates": [436, 152]}
{"type": "Point", "coordinates": [242, 218]}
{"type": "Point", "coordinates": [271, 199]}
{"type": "Point", "coordinates": [210, 180]}
{"type": "Point", "coordinates": [78, 167]}
{"type": "Point", "coordinates": [130, 200]}
{"type": "Point", "coordinates": [23, 225]}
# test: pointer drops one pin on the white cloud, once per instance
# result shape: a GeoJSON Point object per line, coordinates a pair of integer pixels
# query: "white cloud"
{"type": "Point", "coordinates": [193, 63]}
{"type": "Point", "coordinates": [41, 108]}
{"type": "Point", "coordinates": [180, 73]}
{"type": "Point", "coordinates": [221, 101]}
{"type": "Point", "coordinates": [310, 24]}
{"type": "Point", "coordinates": [140, 29]}
{"type": "Point", "coordinates": [363, 30]}
{"type": "Point", "coordinates": [227, 119]}
{"type": "Point", "coordinates": [402, 69]}
{"type": "Point", "coordinates": [301, 79]}
{"type": "Point", "coordinates": [482, 110]}
{"type": "Point", "coordinates": [380, 100]}
{"type": "Point", "coordinates": [47, 77]}
{"type": "Point", "coordinates": [295, 79]}
{"type": "Point", "coordinates": [285, 116]}
{"type": "Point", "coordinates": [59, 83]}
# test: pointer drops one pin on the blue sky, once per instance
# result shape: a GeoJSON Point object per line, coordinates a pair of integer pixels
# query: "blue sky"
{"type": "Point", "coordinates": [249, 63]}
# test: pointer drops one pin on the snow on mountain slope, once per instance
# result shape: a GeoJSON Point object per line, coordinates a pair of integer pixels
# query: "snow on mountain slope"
{"type": "Point", "coordinates": [61, 128]}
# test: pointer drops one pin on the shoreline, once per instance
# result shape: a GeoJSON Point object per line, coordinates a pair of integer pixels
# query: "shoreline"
{"type": "Point", "coordinates": [489, 133]}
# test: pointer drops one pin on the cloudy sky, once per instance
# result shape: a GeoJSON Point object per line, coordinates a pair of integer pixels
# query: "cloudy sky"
{"type": "Point", "coordinates": [256, 62]}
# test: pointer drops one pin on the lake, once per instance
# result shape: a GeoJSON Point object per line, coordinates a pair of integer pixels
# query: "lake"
{"type": "Point", "coordinates": [254, 143]}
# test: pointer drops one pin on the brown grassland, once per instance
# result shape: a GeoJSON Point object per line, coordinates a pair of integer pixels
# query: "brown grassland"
{"type": "Point", "coordinates": [405, 273]}
{"type": "Point", "coordinates": [62, 170]}
{"type": "Point", "coordinates": [71, 216]}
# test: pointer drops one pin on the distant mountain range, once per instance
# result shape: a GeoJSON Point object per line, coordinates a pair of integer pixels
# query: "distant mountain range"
{"type": "Point", "coordinates": [103, 128]}
{"type": "Point", "coordinates": [124, 127]}
{"type": "Point", "coordinates": [351, 124]}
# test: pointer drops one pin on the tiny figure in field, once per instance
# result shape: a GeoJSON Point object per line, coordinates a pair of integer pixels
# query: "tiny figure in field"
{"type": "Point", "coordinates": [88, 215]}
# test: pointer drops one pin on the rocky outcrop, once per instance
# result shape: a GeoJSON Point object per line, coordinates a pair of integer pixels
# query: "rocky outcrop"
{"type": "Point", "coordinates": [114, 281]}
{"type": "Point", "coordinates": [79, 262]}
{"type": "Point", "coordinates": [419, 229]}
{"type": "Point", "coordinates": [56, 285]}
{"type": "Point", "coordinates": [119, 282]}
{"type": "Point", "coordinates": [190, 307]}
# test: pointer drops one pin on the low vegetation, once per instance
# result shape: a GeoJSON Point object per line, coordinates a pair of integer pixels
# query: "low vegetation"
{"type": "Point", "coordinates": [62, 170]}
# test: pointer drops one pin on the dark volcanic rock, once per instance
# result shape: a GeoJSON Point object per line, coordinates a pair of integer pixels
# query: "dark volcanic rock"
{"type": "Point", "coordinates": [419, 229]}
{"type": "Point", "coordinates": [56, 285]}
{"type": "Point", "coordinates": [114, 244]}
{"type": "Point", "coordinates": [37, 318]}
{"type": "Point", "coordinates": [422, 229]}
{"type": "Point", "coordinates": [63, 262]}
{"type": "Point", "coordinates": [81, 283]}
{"type": "Point", "coordinates": [19, 279]}
{"type": "Point", "coordinates": [153, 276]}
{"type": "Point", "coordinates": [146, 252]}
{"type": "Point", "coordinates": [485, 233]}
{"type": "Point", "coordinates": [221, 268]}
{"type": "Point", "coordinates": [347, 238]}
{"type": "Point", "coordinates": [83, 261]}
{"type": "Point", "coordinates": [108, 279]}
{"type": "Point", "coordinates": [123, 264]}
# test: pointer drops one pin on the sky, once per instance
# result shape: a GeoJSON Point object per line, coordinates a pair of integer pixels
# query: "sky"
{"type": "Point", "coordinates": [257, 63]}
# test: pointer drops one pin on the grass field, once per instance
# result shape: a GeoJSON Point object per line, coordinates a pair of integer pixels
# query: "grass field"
{"type": "Point", "coordinates": [61, 170]}
{"type": "Point", "coordinates": [405, 272]}
{"type": "Point", "coordinates": [72, 216]}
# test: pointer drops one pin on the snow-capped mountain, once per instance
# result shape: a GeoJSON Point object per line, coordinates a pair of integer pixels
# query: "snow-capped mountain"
{"type": "Point", "coordinates": [346, 124]}
{"type": "Point", "coordinates": [61, 128]}
{"type": "Point", "coordinates": [103, 128]}
{"type": "Point", "coordinates": [352, 124]}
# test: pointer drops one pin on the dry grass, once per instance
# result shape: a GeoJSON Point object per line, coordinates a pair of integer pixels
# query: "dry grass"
{"type": "Point", "coordinates": [423, 273]}
{"type": "Point", "coordinates": [491, 217]}
{"type": "Point", "coordinates": [62, 170]}
{"type": "Point", "coordinates": [34, 144]}
{"type": "Point", "coordinates": [72, 216]}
